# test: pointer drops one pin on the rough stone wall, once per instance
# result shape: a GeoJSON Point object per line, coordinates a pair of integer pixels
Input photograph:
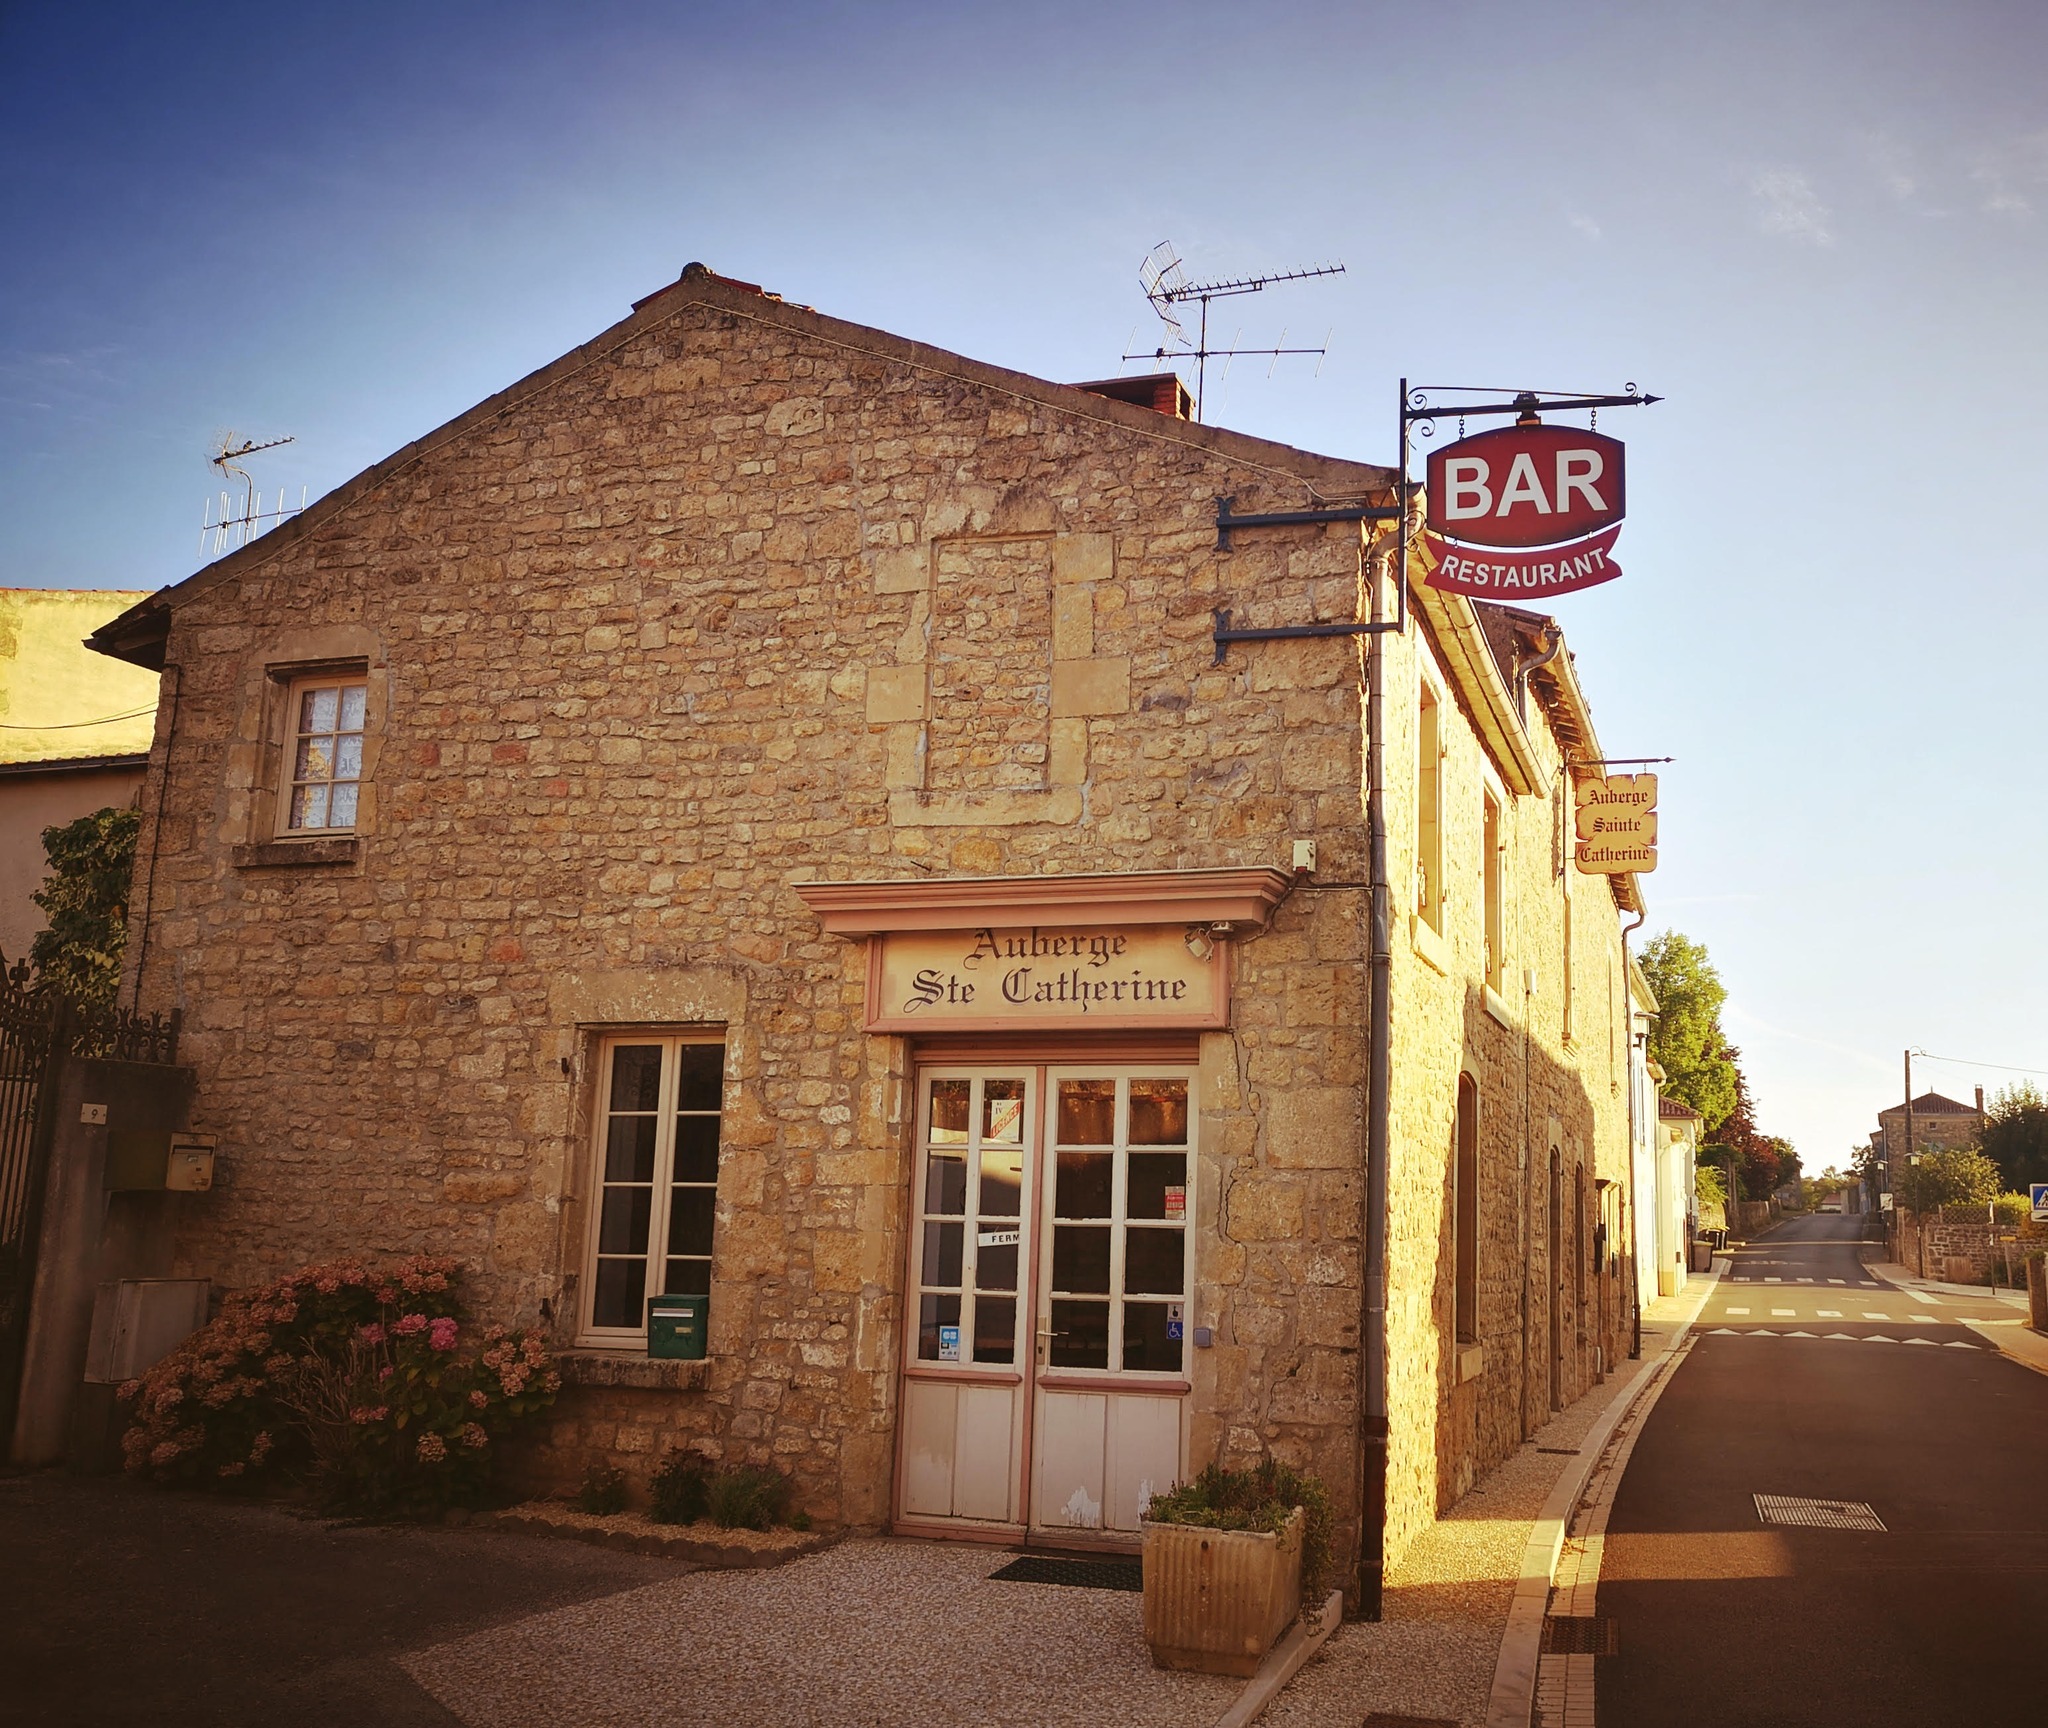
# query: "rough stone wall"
{"type": "Point", "coordinates": [690, 616]}
{"type": "Point", "coordinates": [1455, 1413]}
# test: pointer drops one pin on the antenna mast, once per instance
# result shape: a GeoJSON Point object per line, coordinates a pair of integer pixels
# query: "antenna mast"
{"type": "Point", "coordinates": [240, 521]}
{"type": "Point", "coordinates": [1167, 287]}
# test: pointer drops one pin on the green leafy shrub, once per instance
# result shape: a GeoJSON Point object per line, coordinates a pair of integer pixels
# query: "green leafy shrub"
{"type": "Point", "coordinates": [1261, 1498]}
{"type": "Point", "coordinates": [680, 1490]}
{"type": "Point", "coordinates": [603, 1491]}
{"type": "Point", "coordinates": [367, 1383]}
{"type": "Point", "coordinates": [749, 1497]}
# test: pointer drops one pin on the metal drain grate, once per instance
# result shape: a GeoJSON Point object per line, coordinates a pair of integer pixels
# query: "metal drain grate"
{"type": "Point", "coordinates": [1816, 1514]}
{"type": "Point", "coordinates": [1086, 1574]}
{"type": "Point", "coordinates": [1580, 1635]}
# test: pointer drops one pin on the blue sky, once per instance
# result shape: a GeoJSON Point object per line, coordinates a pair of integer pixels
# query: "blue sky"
{"type": "Point", "coordinates": [1817, 229]}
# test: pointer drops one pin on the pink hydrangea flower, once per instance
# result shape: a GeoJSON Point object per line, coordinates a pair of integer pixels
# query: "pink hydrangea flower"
{"type": "Point", "coordinates": [431, 1449]}
{"type": "Point", "coordinates": [372, 1333]}
{"type": "Point", "coordinates": [441, 1335]}
{"type": "Point", "coordinates": [480, 1399]}
{"type": "Point", "coordinates": [473, 1435]}
{"type": "Point", "coordinates": [410, 1324]}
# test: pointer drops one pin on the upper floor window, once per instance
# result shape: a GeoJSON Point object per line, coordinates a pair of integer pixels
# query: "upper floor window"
{"type": "Point", "coordinates": [1492, 865]}
{"type": "Point", "coordinates": [324, 754]}
{"type": "Point", "coordinates": [1429, 844]}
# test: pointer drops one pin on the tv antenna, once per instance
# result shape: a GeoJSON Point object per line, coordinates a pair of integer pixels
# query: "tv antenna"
{"type": "Point", "coordinates": [241, 520]}
{"type": "Point", "coordinates": [1167, 286]}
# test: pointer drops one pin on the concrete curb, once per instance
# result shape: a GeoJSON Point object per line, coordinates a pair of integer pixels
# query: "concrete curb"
{"type": "Point", "coordinates": [699, 1544]}
{"type": "Point", "coordinates": [1513, 1701]}
{"type": "Point", "coordinates": [1283, 1662]}
{"type": "Point", "coordinates": [2014, 1340]}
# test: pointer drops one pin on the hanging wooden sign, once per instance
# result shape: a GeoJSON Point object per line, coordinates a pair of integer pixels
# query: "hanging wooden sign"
{"type": "Point", "coordinates": [1615, 819]}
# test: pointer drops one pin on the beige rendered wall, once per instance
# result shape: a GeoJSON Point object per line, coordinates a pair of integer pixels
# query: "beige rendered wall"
{"type": "Point", "coordinates": [700, 616]}
{"type": "Point", "coordinates": [57, 698]}
{"type": "Point", "coordinates": [29, 803]}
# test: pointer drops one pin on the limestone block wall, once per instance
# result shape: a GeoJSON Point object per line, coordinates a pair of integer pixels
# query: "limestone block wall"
{"type": "Point", "coordinates": [706, 608]}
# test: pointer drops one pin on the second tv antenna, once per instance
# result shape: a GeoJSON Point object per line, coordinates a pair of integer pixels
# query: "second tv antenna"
{"type": "Point", "coordinates": [1168, 288]}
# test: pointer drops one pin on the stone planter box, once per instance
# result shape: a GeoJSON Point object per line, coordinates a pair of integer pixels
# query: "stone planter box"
{"type": "Point", "coordinates": [1217, 1600]}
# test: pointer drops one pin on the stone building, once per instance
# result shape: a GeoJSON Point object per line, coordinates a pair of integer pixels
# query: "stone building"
{"type": "Point", "coordinates": [758, 808]}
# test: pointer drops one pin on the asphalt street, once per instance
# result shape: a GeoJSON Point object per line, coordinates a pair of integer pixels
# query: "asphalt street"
{"type": "Point", "coordinates": [1809, 1379]}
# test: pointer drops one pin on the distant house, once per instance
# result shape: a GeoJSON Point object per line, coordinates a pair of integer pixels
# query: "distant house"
{"type": "Point", "coordinates": [1678, 1146]}
{"type": "Point", "coordinates": [1938, 1122]}
{"type": "Point", "coordinates": [74, 733]}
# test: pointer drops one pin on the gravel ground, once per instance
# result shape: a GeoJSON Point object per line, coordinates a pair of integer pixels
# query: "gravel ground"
{"type": "Point", "coordinates": [873, 1632]}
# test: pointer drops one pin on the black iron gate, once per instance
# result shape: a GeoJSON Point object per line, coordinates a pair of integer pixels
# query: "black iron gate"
{"type": "Point", "coordinates": [39, 1029]}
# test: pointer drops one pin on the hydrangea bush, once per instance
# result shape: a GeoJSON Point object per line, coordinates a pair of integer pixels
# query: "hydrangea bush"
{"type": "Point", "coordinates": [367, 1382]}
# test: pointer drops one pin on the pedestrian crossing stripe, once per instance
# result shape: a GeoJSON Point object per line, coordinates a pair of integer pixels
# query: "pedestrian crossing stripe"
{"type": "Point", "coordinates": [1837, 1337]}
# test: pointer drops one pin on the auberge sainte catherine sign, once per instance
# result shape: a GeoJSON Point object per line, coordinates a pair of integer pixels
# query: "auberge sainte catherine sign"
{"type": "Point", "coordinates": [1524, 512]}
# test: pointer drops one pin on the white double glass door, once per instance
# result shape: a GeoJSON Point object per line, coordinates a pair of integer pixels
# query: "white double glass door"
{"type": "Point", "coordinates": [1045, 1354]}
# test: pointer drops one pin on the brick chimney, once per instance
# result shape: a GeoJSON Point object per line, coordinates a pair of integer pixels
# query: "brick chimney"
{"type": "Point", "coordinates": [1162, 392]}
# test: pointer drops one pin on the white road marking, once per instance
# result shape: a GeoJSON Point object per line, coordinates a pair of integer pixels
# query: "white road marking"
{"type": "Point", "coordinates": [1925, 1319]}
{"type": "Point", "coordinates": [1806, 1280]}
{"type": "Point", "coordinates": [1784, 1313]}
{"type": "Point", "coordinates": [1926, 1342]}
{"type": "Point", "coordinates": [1774, 1280]}
{"type": "Point", "coordinates": [1838, 1280]}
{"type": "Point", "coordinates": [1886, 1318]}
{"type": "Point", "coordinates": [1922, 1296]}
{"type": "Point", "coordinates": [1738, 1311]}
{"type": "Point", "coordinates": [1827, 1314]}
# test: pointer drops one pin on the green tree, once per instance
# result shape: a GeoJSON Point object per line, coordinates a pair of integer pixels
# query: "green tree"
{"type": "Point", "coordinates": [1686, 1040]}
{"type": "Point", "coordinates": [2016, 1134]}
{"type": "Point", "coordinates": [1951, 1176]}
{"type": "Point", "coordinates": [85, 896]}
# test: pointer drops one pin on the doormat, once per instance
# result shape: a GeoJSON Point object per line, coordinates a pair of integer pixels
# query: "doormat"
{"type": "Point", "coordinates": [1088, 1574]}
{"type": "Point", "coordinates": [1580, 1635]}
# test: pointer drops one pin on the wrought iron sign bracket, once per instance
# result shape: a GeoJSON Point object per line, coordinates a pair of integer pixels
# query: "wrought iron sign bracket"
{"type": "Point", "coordinates": [1282, 632]}
{"type": "Point", "coordinates": [1226, 521]}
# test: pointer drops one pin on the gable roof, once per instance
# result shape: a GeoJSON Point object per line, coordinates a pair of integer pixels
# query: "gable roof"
{"type": "Point", "coordinates": [1670, 1110]}
{"type": "Point", "coordinates": [1931, 1104]}
{"type": "Point", "coordinates": [139, 634]}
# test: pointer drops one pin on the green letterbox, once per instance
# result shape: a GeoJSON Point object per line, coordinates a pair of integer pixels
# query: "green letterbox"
{"type": "Point", "coordinates": [676, 1326]}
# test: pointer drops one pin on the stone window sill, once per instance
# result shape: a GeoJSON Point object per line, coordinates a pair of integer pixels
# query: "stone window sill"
{"type": "Point", "coordinates": [1429, 944]}
{"type": "Point", "coordinates": [297, 854]}
{"type": "Point", "coordinates": [1471, 1362]}
{"type": "Point", "coordinates": [1498, 1008]}
{"type": "Point", "coordinates": [614, 1368]}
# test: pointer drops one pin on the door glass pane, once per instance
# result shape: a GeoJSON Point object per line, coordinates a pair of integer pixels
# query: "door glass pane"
{"type": "Point", "coordinates": [945, 1183]}
{"type": "Point", "coordinates": [1159, 1112]}
{"type": "Point", "coordinates": [1153, 1262]}
{"type": "Point", "coordinates": [701, 1077]}
{"type": "Point", "coordinates": [949, 1111]}
{"type": "Point", "coordinates": [1002, 1181]}
{"type": "Point", "coordinates": [1080, 1257]}
{"type": "Point", "coordinates": [995, 1329]}
{"type": "Point", "coordinates": [696, 1148]}
{"type": "Point", "coordinates": [934, 1313]}
{"type": "Point", "coordinates": [1082, 1184]}
{"type": "Point", "coordinates": [1147, 1347]}
{"type": "Point", "coordinates": [1002, 1112]}
{"type": "Point", "coordinates": [620, 1296]}
{"type": "Point", "coordinates": [942, 1250]}
{"type": "Point", "coordinates": [1080, 1335]}
{"type": "Point", "coordinates": [636, 1077]}
{"type": "Point", "coordinates": [995, 1268]}
{"type": "Point", "coordinates": [1087, 1114]}
{"type": "Point", "coordinates": [1157, 1186]}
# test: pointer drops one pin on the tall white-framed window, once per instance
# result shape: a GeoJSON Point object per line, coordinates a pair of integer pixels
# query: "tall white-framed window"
{"type": "Point", "coordinates": [325, 718]}
{"type": "Point", "coordinates": [1429, 840]}
{"type": "Point", "coordinates": [654, 1178]}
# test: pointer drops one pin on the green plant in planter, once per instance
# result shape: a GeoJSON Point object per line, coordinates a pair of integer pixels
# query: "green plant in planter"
{"type": "Point", "coordinates": [680, 1490]}
{"type": "Point", "coordinates": [603, 1491]}
{"type": "Point", "coordinates": [1261, 1498]}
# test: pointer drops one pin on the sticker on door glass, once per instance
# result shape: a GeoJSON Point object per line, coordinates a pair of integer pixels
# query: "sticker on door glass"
{"type": "Point", "coordinates": [998, 1238]}
{"type": "Point", "coordinates": [1176, 1200]}
{"type": "Point", "coordinates": [949, 1343]}
{"type": "Point", "coordinates": [1173, 1321]}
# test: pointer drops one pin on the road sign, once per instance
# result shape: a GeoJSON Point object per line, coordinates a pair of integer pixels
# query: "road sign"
{"type": "Point", "coordinates": [2039, 1191]}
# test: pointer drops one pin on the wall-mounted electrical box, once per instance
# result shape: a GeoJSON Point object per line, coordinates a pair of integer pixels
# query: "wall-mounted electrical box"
{"type": "Point", "coordinates": [189, 1169]}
